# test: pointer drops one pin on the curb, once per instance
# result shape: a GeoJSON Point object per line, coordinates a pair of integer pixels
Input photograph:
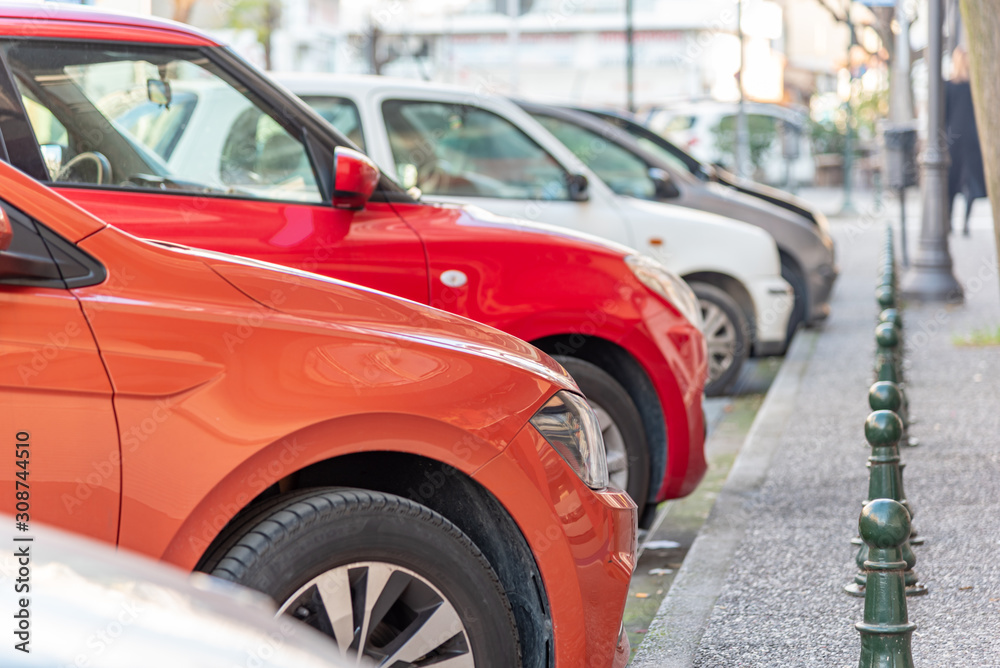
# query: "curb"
{"type": "Point", "coordinates": [676, 630]}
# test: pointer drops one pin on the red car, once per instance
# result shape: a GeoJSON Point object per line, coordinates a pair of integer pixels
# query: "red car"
{"type": "Point", "coordinates": [423, 488]}
{"type": "Point", "coordinates": [167, 134]}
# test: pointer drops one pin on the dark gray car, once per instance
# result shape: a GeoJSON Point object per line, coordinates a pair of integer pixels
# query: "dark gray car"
{"type": "Point", "coordinates": [630, 168]}
{"type": "Point", "coordinates": [666, 150]}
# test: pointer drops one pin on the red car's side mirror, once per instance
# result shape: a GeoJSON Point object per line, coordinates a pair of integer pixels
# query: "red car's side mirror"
{"type": "Point", "coordinates": [6, 231]}
{"type": "Point", "coordinates": [355, 178]}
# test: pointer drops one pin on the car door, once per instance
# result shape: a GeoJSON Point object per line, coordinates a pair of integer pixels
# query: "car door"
{"type": "Point", "coordinates": [62, 463]}
{"type": "Point", "coordinates": [173, 143]}
{"type": "Point", "coordinates": [461, 152]}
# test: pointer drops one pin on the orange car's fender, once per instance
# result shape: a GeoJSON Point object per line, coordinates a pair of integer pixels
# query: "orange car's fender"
{"type": "Point", "coordinates": [320, 442]}
{"type": "Point", "coordinates": [208, 381]}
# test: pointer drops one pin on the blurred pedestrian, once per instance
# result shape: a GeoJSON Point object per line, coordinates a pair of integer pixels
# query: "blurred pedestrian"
{"type": "Point", "coordinates": [965, 175]}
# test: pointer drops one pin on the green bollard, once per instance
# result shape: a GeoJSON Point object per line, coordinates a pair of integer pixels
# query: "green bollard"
{"type": "Point", "coordinates": [883, 430]}
{"type": "Point", "coordinates": [888, 363]}
{"type": "Point", "coordinates": [887, 366]}
{"type": "Point", "coordinates": [885, 296]}
{"type": "Point", "coordinates": [893, 317]}
{"type": "Point", "coordinates": [886, 395]}
{"type": "Point", "coordinates": [886, 630]}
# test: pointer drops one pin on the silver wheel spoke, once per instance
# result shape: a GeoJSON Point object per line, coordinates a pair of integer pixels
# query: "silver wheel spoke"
{"type": "Point", "coordinates": [614, 447]}
{"type": "Point", "coordinates": [720, 339]}
{"type": "Point", "coordinates": [617, 462]}
{"type": "Point", "coordinates": [714, 318]}
{"type": "Point", "coordinates": [442, 625]}
{"type": "Point", "coordinates": [335, 592]}
{"type": "Point", "coordinates": [378, 577]}
{"type": "Point", "coordinates": [390, 593]}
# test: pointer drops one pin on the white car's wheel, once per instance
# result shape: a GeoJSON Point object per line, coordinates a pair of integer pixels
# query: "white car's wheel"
{"type": "Point", "coordinates": [727, 335]}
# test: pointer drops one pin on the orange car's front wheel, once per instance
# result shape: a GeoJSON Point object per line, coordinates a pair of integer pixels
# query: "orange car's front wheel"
{"type": "Point", "coordinates": [384, 576]}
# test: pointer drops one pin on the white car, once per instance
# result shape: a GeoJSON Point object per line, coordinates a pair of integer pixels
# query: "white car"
{"type": "Point", "coordinates": [465, 146]}
{"type": "Point", "coordinates": [71, 601]}
{"type": "Point", "coordinates": [693, 126]}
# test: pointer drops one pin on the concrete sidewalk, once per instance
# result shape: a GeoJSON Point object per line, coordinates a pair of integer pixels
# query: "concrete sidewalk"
{"type": "Point", "coordinates": [762, 584]}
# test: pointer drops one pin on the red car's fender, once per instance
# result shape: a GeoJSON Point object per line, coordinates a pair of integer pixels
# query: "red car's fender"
{"type": "Point", "coordinates": [572, 288]}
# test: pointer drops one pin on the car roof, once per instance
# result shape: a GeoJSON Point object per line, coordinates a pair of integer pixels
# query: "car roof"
{"type": "Point", "coordinates": [608, 131]}
{"type": "Point", "coordinates": [319, 83]}
{"type": "Point", "coordinates": [634, 126]}
{"type": "Point", "coordinates": [712, 107]}
{"type": "Point", "coordinates": [37, 16]}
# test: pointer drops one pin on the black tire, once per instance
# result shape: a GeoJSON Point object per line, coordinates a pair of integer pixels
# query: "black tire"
{"type": "Point", "coordinates": [607, 396]}
{"type": "Point", "coordinates": [349, 536]}
{"type": "Point", "coordinates": [794, 277]}
{"type": "Point", "coordinates": [729, 338]}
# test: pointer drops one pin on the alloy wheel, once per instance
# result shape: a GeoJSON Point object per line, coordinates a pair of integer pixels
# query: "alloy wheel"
{"type": "Point", "coordinates": [720, 337]}
{"type": "Point", "coordinates": [614, 445]}
{"type": "Point", "coordinates": [385, 613]}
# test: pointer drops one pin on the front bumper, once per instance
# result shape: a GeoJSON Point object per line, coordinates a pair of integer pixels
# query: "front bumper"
{"type": "Point", "coordinates": [821, 287]}
{"type": "Point", "coordinates": [583, 541]}
{"type": "Point", "coordinates": [773, 300]}
{"type": "Point", "coordinates": [672, 352]}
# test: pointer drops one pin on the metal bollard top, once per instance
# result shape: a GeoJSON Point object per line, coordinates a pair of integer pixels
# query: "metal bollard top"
{"type": "Point", "coordinates": [883, 428]}
{"type": "Point", "coordinates": [885, 297]}
{"type": "Point", "coordinates": [891, 316]}
{"type": "Point", "coordinates": [884, 396]}
{"type": "Point", "coordinates": [884, 524]}
{"type": "Point", "coordinates": [886, 335]}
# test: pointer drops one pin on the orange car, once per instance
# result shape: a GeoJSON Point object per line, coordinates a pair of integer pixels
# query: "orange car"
{"type": "Point", "coordinates": [424, 489]}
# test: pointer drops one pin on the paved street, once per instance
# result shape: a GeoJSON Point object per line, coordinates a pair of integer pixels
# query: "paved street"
{"type": "Point", "coordinates": [762, 584]}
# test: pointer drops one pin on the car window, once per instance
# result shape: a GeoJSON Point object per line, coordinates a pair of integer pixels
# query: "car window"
{"type": "Point", "coordinates": [663, 154]}
{"type": "Point", "coordinates": [451, 149]}
{"type": "Point", "coordinates": [624, 172]}
{"type": "Point", "coordinates": [341, 113]}
{"type": "Point", "coordinates": [26, 243]}
{"type": "Point", "coordinates": [155, 117]}
{"type": "Point", "coordinates": [48, 129]}
{"type": "Point", "coordinates": [157, 127]}
{"type": "Point", "coordinates": [676, 123]}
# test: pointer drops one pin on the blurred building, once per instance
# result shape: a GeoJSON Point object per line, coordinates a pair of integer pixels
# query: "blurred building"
{"type": "Point", "coordinates": [574, 50]}
{"type": "Point", "coordinates": [558, 50]}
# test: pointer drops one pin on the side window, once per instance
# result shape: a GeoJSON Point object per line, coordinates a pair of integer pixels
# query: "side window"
{"type": "Point", "coordinates": [663, 154]}
{"type": "Point", "coordinates": [155, 117]}
{"type": "Point", "coordinates": [26, 259]}
{"type": "Point", "coordinates": [341, 113]}
{"type": "Point", "coordinates": [47, 127]}
{"type": "Point", "coordinates": [37, 257]}
{"type": "Point", "coordinates": [623, 172]}
{"type": "Point", "coordinates": [450, 149]}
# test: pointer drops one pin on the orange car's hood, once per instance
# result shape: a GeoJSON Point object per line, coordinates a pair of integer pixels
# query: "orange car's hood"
{"type": "Point", "coordinates": [321, 299]}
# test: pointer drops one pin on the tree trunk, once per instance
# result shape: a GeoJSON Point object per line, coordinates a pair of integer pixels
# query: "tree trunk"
{"type": "Point", "coordinates": [982, 21]}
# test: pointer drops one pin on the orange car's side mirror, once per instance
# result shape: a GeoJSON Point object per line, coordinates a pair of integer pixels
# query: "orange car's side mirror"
{"type": "Point", "coordinates": [6, 231]}
{"type": "Point", "coordinates": [355, 178]}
